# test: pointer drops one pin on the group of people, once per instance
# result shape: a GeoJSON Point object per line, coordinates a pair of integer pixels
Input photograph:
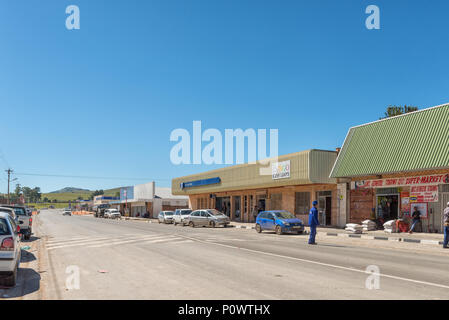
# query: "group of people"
{"type": "Point", "coordinates": [416, 217]}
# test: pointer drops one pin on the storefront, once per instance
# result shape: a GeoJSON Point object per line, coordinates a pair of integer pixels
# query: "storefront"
{"type": "Point", "coordinates": [388, 167]}
{"type": "Point", "coordinates": [290, 182]}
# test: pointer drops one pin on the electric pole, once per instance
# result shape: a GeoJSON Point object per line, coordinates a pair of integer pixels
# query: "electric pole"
{"type": "Point", "coordinates": [9, 171]}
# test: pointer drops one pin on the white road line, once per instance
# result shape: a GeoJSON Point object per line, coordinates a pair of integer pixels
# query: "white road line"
{"type": "Point", "coordinates": [321, 263]}
{"type": "Point", "coordinates": [52, 243]}
{"type": "Point", "coordinates": [124, 241]}
{"type": "Point", "coordinates": [89, 241]}
{"type": "Point", "coordinates": [167, 239]}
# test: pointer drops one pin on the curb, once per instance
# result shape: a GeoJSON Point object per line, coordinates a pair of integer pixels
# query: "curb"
{"type": "Point", "coordinates": [368, 237]}
{"type": "Point", "coordinates": [345, 235]}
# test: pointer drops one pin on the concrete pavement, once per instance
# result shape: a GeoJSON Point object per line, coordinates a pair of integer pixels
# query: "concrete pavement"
{"type": "Point", "coordinates": [134, 260]}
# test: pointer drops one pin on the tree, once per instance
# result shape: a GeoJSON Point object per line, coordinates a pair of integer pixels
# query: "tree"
{"type": "Point", "coordinates": [96, 193]}
{"type": "Point", "coordinates": [393, 111]}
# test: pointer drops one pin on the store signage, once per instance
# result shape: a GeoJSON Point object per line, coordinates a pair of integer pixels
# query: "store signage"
{"type": "Point", "coordinates": [199, 183]}
{"type": "Point", "coordinates": [401, 182]}
{"type": "Point", "coordinates": [424, 194]}
{"type": "Point", "coordinates": [280, 170]}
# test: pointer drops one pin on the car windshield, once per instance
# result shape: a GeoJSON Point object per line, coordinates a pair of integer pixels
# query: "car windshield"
{"type": "Point", "coordinates": [284, 215]}
{"type": "Point", "coordinates": [215, 212]}
{"type": "Point", "coordinates": [20, 211]}
{"type": "Point", "coordinates": [169, 213]}
{"type": "Point", "coordinates": [4, 230]}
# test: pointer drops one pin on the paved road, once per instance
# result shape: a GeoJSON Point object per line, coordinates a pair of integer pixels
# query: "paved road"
{"type": "Point", "coordinates": [152, 261]}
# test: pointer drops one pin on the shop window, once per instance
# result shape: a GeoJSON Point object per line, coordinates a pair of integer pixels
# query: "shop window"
{"type": "Point", "coordinates": [276, 201]}
{"type": "Point", "coordinates": [302, 202]}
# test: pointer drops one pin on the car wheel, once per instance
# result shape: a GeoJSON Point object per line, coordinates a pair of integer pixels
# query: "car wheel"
{"type": "Point", "coordinates": [174, 223]}
{"type": "Point", "coordinates": [12, 280]}
{"type": "Point", "coordinates": [191, 224]}
{"type": "Point", "coordinates": [278, 230]}
{"type": "Point", "coordinates": [258, 228]}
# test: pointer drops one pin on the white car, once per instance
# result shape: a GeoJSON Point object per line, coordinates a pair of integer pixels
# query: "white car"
{"type": "Point", "coordinates": [165, 217]}
{"type": "Point", "coordinates": [180, 216]}
{"type": "Point", "coordinates": [9, 250]}
{"type": "Point", "coordinates": [112, 214]}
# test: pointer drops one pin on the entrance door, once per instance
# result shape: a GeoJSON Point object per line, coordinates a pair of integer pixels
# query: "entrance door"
{"type": "Point", "coordinates": [387, 207]}
{"type": "Point", "coordinates": [325, 210]}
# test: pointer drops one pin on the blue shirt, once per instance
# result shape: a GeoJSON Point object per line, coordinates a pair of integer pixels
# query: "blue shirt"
{"type": "Point", "coordinates": [313, 217]}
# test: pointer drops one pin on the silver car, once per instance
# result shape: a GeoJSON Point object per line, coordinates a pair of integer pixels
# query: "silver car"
{"type": "Point", "coordinates": [9, 250]}
{"type": "Point", "coordinates": [165, 217]}
{"type": "Point", "coordinates": [207, 217]}
{"type": "Point", "coordinates": [180, 216]}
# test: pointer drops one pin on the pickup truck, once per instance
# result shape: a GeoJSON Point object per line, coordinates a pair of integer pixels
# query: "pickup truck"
{"type": "Point", "coordinates": [25, 220]}
{"type": "Point", "coordinates": [99, 210]}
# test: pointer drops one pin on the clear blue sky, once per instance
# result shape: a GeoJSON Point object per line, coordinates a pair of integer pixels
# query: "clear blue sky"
{"type": "Point", "coordinates": [102, 101]}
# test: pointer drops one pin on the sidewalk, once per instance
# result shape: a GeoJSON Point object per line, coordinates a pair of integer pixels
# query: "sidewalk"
{"type": "Point", "coordinates": [422, 238]}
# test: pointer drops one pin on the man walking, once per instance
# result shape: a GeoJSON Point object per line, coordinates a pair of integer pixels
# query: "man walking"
{"type": "Point", "coordinates": [313, 222]}
{"type": "Point", "coordinates": [446, 226]}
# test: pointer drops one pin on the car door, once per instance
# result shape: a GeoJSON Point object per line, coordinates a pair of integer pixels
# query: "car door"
{"type": "Point", "coordinates": [195, 217]}
{"type": "Point", "coordinates": [270, 221]}
{"type": "Point", "coordinates": [16, 237]}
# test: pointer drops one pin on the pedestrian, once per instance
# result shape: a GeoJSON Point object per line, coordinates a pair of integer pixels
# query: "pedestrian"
{"type": "Point", "coordinates": [313, 222]}
{"type": "Point", "coordinates": [416, 218]}
{"type": "Point", "coordinates": [255, 212]}
{"type": "Point", "coordinates": [446, 226]}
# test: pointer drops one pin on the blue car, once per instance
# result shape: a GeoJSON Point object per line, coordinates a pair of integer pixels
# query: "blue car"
{"type": "Point", "coordinates": [280, 221]}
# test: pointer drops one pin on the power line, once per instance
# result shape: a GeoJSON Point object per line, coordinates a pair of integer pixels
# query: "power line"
{"type": "Point", "coordinates": [85, 177]}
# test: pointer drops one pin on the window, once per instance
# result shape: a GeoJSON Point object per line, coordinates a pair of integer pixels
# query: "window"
{"type": "Point", "coordinates": [4, 230]}
{"type": "Point", "coordinates": [276, 201]}
{"type": "Point", "coordinates": [204, 214]}
{"type": "Point", "coordinates": [302, 202]}
{"type": "Point", "coordinates": [195, 213]}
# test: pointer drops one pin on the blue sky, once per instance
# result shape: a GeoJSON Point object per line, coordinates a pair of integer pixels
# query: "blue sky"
{"type": "Point", "coordinates": [102, 101]}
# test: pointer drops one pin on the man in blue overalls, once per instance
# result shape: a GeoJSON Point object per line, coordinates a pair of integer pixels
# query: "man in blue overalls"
{"type": "Point", "coordinates": [313, 222]}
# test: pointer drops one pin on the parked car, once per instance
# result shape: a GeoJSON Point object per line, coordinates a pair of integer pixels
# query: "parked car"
{"type": "Point", "coordinates": [112, 214]}
{"type": "Point", "coordinates": [207, 217]}
{"type": "Point", "coordinates": [180, 216]}
{"type": "Point", "coordinates": [24, 218]}
{"type": "Point", "coordinates": [280, 221]}
{"type": "Point", "coordinates": [165, 217]}
{"type": "Point", "coordinates": [9, 249]}
{"type": "Point", "coordinates": [66, 212]}
{"type": "Point", "coordinates": [10, 211]}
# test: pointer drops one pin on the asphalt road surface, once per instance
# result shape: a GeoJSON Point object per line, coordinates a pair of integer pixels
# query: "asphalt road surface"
{"type": "Point", "coordinates": [118, 259]}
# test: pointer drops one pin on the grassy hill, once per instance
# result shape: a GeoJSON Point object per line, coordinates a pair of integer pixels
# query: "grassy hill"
{"type": "Point", "coordinates": [73, 196]}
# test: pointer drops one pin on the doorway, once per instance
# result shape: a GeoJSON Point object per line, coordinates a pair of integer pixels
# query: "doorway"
{"type": "Point", "coordinates": [387, 207]}
{"type": "Point", "coordinates": [325, 207]}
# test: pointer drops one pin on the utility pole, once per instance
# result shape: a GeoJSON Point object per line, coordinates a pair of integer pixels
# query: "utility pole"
{"type": "Point", "coordinates": [9, 171]}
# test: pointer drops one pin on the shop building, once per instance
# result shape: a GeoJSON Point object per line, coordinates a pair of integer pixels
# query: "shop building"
{"type": "Point", "coordinates": [136, 201]}
{"type": "Point", "coordinates": [388, 167]}
{"type": "Point", "coordinates": [290, 182]}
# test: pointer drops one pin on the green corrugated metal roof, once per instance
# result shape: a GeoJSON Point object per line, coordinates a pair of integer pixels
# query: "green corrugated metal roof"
{"type": "Point", "coordinates": [414, 141]}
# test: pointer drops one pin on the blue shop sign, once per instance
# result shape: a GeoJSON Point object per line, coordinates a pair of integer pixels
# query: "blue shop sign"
{"type": "Point", "coordinates": [199, 183]}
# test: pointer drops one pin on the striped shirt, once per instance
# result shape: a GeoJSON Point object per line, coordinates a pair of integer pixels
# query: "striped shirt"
{"type": "Point", "coordinates": [446, 215]}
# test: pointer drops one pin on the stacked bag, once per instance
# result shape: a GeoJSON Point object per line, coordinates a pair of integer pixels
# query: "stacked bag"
{"type": "Point", "coordinates": [353, 228]}
{"type": "Point", "coordinates": [390, 226]}
{"type": "Point", "coordinates": [369, 225]}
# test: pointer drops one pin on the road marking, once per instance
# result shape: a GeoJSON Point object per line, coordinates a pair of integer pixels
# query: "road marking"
{"type": "Point", "coordinates": [320, 263]}
{"type": "Point", "coordinates": [120, 239]}
{"type": "Point", "coordinates": [119, 242]}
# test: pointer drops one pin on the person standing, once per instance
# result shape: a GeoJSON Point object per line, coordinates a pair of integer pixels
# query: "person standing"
{"type": "Point", "coordinates": [313, 222]}
{"type": "Point", "coordinates": [255, 212]}
{"type": "Point", "coordinates": [416, 218]}
{"type": "Point", "coordinates": [446, 226]}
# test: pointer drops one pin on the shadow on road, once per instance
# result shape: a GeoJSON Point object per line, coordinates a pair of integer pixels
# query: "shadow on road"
{"type": "Point", "coordinates": [28, 281]}
{"type": "Point", "coordinates": [32, 239]}
{"type": "Point", "coordinates": [27, 256]}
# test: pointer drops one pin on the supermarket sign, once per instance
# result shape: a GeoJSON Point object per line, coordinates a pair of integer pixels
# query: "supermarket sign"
{"type": "Point", "coordinates": [424, 194]}
{"type": "Point", "coordinates": [401, 182]}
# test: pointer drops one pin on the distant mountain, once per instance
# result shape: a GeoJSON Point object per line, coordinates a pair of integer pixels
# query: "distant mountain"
{"type": "Point", "coordinates": [70, 189]}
